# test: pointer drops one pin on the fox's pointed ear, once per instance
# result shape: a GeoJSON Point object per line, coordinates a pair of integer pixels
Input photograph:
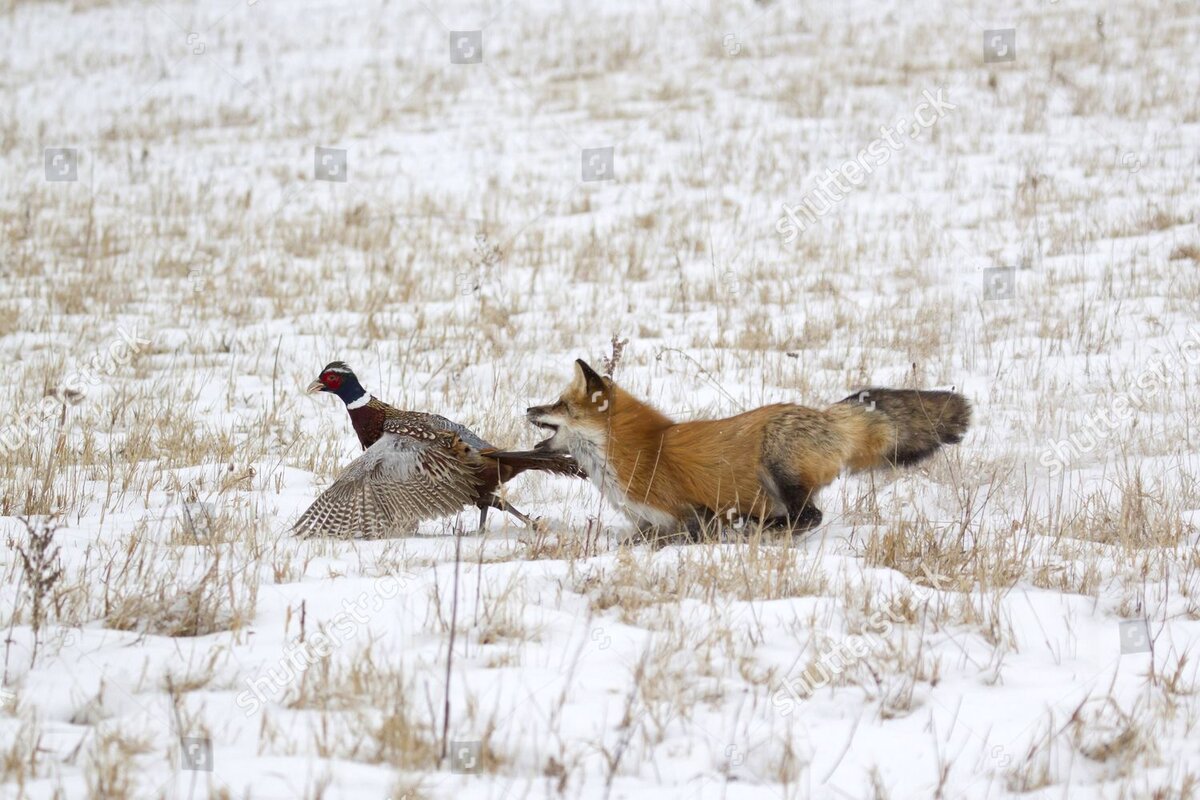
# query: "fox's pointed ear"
{"type": "Point", "coordinates": [588, 379]}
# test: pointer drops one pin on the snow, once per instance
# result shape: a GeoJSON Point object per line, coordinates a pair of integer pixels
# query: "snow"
{"type": "Point", "coordinates": [986, 614]}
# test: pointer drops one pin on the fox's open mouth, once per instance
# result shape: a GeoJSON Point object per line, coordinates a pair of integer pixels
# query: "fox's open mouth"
{"type": "Point", "coordinates": [540, 422]}
{"type": "Point", "coordinates": [544, 444]}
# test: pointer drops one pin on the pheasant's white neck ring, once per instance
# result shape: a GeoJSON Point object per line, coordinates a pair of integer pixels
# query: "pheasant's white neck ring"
{"type": "Point", "coordinates": [360, 402]}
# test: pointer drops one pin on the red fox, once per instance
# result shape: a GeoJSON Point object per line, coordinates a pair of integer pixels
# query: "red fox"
{"type": "Point", "coordinates": [765, 465]}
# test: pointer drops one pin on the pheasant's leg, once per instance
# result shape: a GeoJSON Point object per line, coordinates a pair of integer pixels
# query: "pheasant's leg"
{"type": "Point", "coordinates": [482, 519]}
{"type": "Point", "coordinates": [504, 505]}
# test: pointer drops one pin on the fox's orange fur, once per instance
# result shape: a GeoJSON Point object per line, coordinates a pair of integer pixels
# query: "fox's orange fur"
{"type": "Point", "coordinates": [765, 464]}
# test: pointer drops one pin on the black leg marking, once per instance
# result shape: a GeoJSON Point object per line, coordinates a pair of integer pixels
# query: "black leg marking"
{"type": "Point", "coordinates": [809, 517]}
{"type": "Point", "coordinates": [701, 525]}
{"type": "Point", "coordinates": [802, 513]}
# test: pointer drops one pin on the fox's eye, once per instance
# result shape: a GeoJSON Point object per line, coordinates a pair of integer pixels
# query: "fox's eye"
{"type": "Point", "coordinates": [332, 380]}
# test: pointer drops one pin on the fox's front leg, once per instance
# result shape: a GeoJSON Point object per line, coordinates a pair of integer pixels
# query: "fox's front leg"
{"type": "Point", "coordinates": [698, 525]}
{"type": "Point", "coordinates": [702, 524]}
{"type": "Point", "coordinates": [657, 535]}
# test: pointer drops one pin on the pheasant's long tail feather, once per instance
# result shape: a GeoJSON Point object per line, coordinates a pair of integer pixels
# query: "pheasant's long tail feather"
{"type": "Point", "coordinates": [519, 461]}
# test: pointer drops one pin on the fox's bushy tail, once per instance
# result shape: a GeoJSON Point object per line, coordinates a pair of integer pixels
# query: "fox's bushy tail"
{"type": "Point", "coordinates": [919, 422]}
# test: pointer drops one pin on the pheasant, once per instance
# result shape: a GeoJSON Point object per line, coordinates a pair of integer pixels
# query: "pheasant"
{"type": "Point", "coordinates": [416, 466]}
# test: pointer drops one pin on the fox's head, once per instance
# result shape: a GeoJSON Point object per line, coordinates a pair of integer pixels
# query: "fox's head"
{"type": "Point", "coordinates": [582, 412]}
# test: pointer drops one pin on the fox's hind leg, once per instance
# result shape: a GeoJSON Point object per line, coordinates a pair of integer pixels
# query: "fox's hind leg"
{"type": "Point", "coordinates": [800, 455]}
{"type": "Point", "coordinates": [801, 512]}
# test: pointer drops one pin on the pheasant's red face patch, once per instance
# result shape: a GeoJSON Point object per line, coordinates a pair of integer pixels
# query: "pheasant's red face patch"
{"type": "Point", "coordinates": [331, 380]}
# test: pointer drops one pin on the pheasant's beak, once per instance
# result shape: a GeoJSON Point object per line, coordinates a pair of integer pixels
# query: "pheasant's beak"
{"type": "Point", "coordinates": [314, 387]}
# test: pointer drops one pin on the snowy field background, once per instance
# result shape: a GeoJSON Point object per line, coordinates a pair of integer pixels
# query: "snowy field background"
{"type": "Point", "coordinates": [1018, 617]}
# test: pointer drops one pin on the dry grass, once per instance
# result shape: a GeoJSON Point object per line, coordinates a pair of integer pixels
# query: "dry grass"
{"type": "Point", "coordinates": [460, 269]}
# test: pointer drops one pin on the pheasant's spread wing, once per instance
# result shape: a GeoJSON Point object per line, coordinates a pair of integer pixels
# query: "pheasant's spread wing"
{"type": "Point", "coordinates": [402, 479]}
{"type": "Point", "coordinates": [409, 420]}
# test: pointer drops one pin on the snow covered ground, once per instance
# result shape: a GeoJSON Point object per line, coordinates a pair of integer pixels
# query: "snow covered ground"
{"type": "Point", "coordinates": [771, 202]}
